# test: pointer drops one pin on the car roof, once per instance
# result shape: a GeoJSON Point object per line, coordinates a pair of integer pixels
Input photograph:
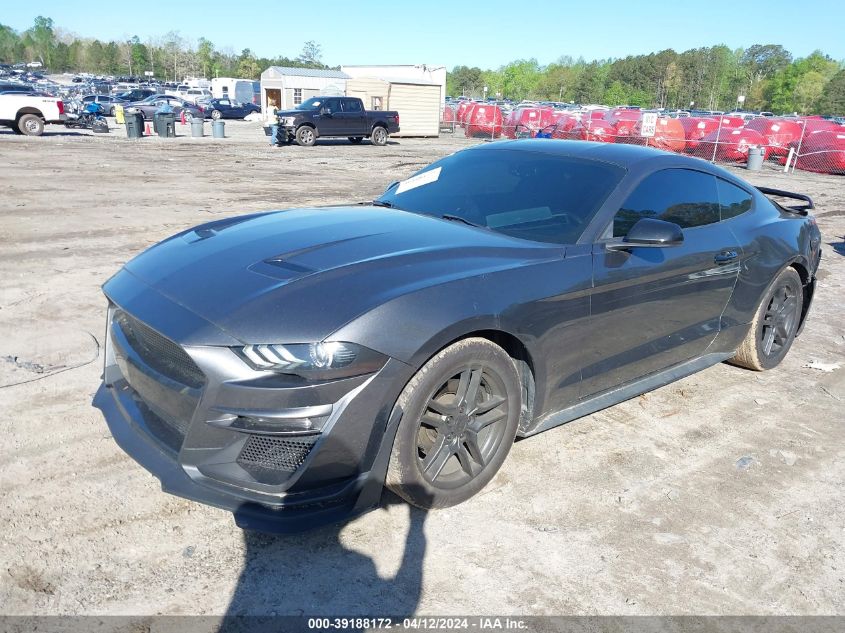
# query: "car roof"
{"type": "Point", "coordinates": [621, 154]}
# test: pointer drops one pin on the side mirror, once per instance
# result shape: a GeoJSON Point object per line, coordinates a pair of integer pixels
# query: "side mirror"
{"type": "Point", "coordinates": [650, 233]}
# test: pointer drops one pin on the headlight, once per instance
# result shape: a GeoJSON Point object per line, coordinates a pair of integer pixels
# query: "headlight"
{"type": "Point", "coordinates": [325, 360]}
{"type": "Point", "coordinates": [287, 120]}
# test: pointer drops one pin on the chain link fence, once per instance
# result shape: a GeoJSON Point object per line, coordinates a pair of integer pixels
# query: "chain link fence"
{"type": "Point", "coordinates": [805, 143]}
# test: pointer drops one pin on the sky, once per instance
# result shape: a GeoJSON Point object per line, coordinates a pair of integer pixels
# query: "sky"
{"type": "Point", "coordinates": [485, 34]}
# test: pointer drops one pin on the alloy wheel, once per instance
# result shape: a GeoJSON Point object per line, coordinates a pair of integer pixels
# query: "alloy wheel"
{"type": "Point", "coordinates": [779, 321]}
{"type": "Point", "coordinates": [462, 426]}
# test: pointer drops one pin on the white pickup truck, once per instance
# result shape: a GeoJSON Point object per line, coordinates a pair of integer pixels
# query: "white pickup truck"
{"type": "Point", "coordinates": [27, 113]}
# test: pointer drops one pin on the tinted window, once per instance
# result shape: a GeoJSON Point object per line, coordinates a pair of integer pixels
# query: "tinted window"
{"type": "Point", "coordinates": [733, 201]}
{"type": "Point", "coordinates": [352, 105]}
{"type": "Point", "coordinates": [332, 104]}
{"type": "Point", "coordinates": [687, 198]}
{"type": "Point", "coordinates": [531, 195]}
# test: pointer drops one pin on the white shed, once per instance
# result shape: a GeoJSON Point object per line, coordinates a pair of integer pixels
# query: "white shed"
{"type": "Point", "coordinates": [289, 87]}
{"type": "Point", "coordinates": [416, 101]}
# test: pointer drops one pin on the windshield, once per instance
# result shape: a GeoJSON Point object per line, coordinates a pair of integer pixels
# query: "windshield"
{"type": "Point", "coordinates": [313, 103]}
{"type": "Point", "coordinates": [531, 195]}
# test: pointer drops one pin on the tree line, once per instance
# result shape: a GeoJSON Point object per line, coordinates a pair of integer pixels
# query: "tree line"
{"type": "Point", "coordinates": [169, 57]}
{"type": "Point", "coordinates": [709, 78]}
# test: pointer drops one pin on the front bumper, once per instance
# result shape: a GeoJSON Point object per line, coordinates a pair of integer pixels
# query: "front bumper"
{"type": "Point", "coordinates": [183, 434]}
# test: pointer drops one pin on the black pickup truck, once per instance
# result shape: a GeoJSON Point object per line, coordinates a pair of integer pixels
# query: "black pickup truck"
{"type": "Point", "coordinates": [333, 117]}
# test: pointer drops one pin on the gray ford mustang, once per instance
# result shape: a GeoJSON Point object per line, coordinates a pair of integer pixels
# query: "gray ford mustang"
{"type": "Point", "coordinates": [289, 365]}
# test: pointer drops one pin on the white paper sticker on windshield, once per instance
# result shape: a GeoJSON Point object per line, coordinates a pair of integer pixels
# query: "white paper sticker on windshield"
{"type": "Point", "coordinates": [419, 180]}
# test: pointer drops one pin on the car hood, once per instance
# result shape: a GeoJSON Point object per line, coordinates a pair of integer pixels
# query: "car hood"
{"type": "Point", "coordinates": [298, 275]}
{"type": "Point", "coordinates": [294, 112]}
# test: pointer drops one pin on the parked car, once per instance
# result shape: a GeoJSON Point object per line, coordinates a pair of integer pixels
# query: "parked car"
{"type": "Point", "coordinates": [136, 94]}
{"type": "Point", "coordinates": [227, 109]}
{"type": "Point", "coordinates": [107, 101]}
{"type": "Point", "coordinates": [148, 107]}
{"type": "Point", "coordinates": [286, 365]}
{"type": "Point", "coordinates": [336, 116]}
{"type": "Point", "coordinates": [194, 94]}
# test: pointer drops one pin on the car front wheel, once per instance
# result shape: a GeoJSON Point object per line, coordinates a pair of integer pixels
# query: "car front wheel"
{"type": "Point", "coordinates": [460, 416]}
{"type": "Point", "coordinates": [305, 136]}
{"type": "Point", "coordinates": [775, 324]}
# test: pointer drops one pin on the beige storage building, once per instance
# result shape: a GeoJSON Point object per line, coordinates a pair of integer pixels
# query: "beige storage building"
{"type": "Point", "coordinates": [416, 101]}
{"type": "Point", "coordinates": [289, 87]}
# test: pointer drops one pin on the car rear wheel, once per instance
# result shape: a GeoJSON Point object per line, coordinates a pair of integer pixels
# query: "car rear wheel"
{"type": "Point", "coordinates": [305, 136]}
{"type": "Point", "coordinates": [31, 125]}
{"type": "Point", "coordinates": [775, 324]}
{"type": "Point", "coordinates": [111, 111]}
{"type": "Point", "coordinates": [356, 139]}
{"type": "Point", "coordinates": [459, 420]}
{"type": "Point", "coordinates": [215, 114]}
{"type": "Point", "coordinates": [379, 136]}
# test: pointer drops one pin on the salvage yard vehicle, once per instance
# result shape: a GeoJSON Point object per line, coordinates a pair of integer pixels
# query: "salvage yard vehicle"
{"type": "Point", "coordinates": [336, 117]}
{"type": "Point", "coordinates": [288, 365]}
{"type": "Point", "coordinates": [28, 113]}
{"type": "Point", "coordinates": [228, 109]}
{"type": "Point", "coordinates": [149, 106]}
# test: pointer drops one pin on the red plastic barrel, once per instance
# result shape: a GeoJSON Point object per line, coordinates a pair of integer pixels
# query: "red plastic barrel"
{"type": "Point", "coordinates": [696, 128]}
{"type": "Point", "coordinates": [484, 120]}
{"type": "Point", "coordinates": [823, 152]}
{"type": "Point", "coordinates": [593, 130]}
{"type": "Point", "coordinates": [779, 133]}
{"type": "Point", "coordinates": [731, 144]}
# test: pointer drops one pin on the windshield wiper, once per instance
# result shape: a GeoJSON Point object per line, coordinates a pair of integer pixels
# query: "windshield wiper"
{"type": "Point", "coordinates": [383, 203]}
{"type": "Point", "coordinates": [457, 218]}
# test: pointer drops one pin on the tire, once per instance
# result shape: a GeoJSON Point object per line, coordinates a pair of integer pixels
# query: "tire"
{"type": "Point", "coordinates": [111, 111]}
{"type": "Point", "coordinates": [188, 116]}
{"type": "Point", "coordinates": [379, 136]}
{"type": "Point", "coordinates": [445, 451]}
{"type": "Point", "coordinates": [775, 324]}
{"type": "Point", "coordinates": [305, 136]}
{"type": "Point", "coordinates": [31, 125]}
{"type": "Point", "coordinates": [216, 114]}
{"type": "Point", "coordinates": [356, 139]}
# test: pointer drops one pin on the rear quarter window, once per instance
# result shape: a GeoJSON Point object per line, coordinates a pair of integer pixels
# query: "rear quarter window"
{"type": "Point", "coordinates": [733, 200]}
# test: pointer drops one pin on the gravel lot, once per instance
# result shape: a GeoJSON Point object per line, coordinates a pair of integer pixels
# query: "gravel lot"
{"type": "Point", "coordinates": [718, 494]}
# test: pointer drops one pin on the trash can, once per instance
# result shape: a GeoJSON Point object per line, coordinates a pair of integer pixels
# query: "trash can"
{"type": "Point", "coordinates": [217, 129]}
{"type": "Point", "coordinates": [197, 127]}
{"type": "Point", "coordinates": [756, 155]}
{"type": "Point", "coordinates": [165, 124]}
{"type": "Point", "coordinates": [134, 122]}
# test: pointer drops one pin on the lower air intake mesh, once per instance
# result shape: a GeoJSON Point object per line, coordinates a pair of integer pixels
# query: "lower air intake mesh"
{"type": "Point", "coordinates": [275, 453]}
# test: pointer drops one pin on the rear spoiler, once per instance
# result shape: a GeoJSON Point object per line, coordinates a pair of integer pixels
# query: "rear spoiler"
{"type": "Point", "coordinates": [800, 209]}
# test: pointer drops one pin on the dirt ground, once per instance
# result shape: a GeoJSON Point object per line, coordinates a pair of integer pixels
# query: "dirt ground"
{"type": "Point", "coordinates": [718, 494]}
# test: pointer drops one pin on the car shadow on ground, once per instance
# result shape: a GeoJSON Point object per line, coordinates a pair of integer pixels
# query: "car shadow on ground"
{"type": "Point", "coordinates": [315, 574]}
{"type": "Point", "coordinates": [839, 247]}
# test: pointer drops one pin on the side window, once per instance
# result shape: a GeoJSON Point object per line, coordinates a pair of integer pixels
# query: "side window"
{"type": "Point", "coordinates": [733, 201]}
{"type": "Point", "coordinates": [352, 105]}
{"type": "Point", "coordinates": [687, 198]}
{"type": "Point", "coordinates": [332, 104]}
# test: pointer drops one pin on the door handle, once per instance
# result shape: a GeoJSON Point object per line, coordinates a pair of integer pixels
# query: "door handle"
{"type": "Point", "coordinates": [725, 257]}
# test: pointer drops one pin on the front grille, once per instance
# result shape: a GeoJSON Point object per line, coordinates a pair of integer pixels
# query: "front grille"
{"type": "Point", "coordinates": [160, 353]}
{"type": "Point", "coordinates": [275, 453]}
